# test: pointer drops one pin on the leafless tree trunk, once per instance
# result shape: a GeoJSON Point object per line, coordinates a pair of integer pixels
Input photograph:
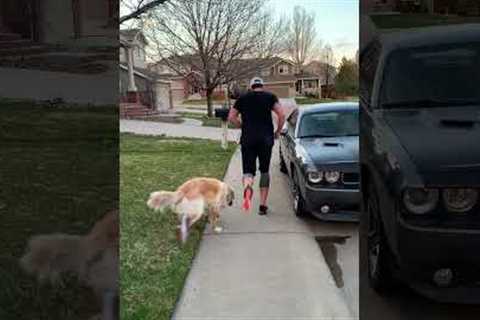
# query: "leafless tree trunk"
{"type": "Point", "coordinates": [136, 8]}
{"type": "Point", "coordinates": [209, 38]}
{"type": "Point", "coordinates": [301, 36]}
{"type": "Point", "coordinates": [326, 70]}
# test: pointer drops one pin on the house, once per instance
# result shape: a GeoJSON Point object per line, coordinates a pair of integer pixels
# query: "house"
{"type": "Point", "coordinates": [280, 77]}
{"type": "Point", "coordinates": [325, 72]}
{"type": "Point", "coordinates": [182, 87]}
{"type": "Point", "coordinates": [59, 21]}
{"type": "Point", "coordinates": [188, 85]}
{"type": "Point", "coordinates": [139, 85]}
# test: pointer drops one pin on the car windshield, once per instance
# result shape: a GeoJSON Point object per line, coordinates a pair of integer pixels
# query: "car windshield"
{"type": "Point", "coordinates": [438, 76]}
{"type": "Point", "coordinates": [329, 124]}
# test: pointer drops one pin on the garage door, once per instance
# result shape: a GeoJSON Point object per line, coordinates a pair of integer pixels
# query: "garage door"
{"type": "Point", "coordinates": [279, 91]}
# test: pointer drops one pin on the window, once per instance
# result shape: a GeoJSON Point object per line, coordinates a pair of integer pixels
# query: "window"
{"type": "Point", "coordinates": [368, 68]}
{"type": "Point", "coordinates": [441, 73]}
{"type": "Point", "coordinates": [292, 123]}
{"type": "Point", "coordinates": [280, 70]}
{"type": "Point", "coordinates": [329, 124]}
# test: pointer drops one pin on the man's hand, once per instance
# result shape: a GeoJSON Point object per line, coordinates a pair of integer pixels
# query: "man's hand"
{"type": "Point", "coordinates": [233, 118]}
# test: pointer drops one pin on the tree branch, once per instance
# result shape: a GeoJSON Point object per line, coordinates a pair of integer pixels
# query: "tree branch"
{"type": "Point", "coordinates": [141, 9]}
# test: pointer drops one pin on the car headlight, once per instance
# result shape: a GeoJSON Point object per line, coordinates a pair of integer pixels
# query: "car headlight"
{"type": "Point", "coordinates": [332, 176]}
{"type": "Point", "coordinates": [315, 176]}
{"type": "Point", "coordinates": [420, 200]}
{"type": "Point", "coordinates": [460, 200]}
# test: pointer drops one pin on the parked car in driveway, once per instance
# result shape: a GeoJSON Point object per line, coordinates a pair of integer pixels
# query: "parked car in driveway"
{"type": "Point", "coordinates": [420, 161]}
{"type": "Point", "coordinates": [319, 153]}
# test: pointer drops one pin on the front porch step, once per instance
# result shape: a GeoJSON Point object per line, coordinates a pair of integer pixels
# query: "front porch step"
{"type": "Point", "coordinates": [128, 110]}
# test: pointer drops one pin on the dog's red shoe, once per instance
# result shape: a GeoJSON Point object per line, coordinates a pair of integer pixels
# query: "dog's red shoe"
{"type": "Point", "coordinates": [247, 198]}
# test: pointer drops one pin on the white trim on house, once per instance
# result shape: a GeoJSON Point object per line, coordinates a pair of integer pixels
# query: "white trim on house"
{"type": "Point", "coordinates": [140, 74]}
{"type": "Point", "coordinates": [276, 82]}
{"type": "Point", "coordinates": [284, 61]}
{"type": "Point", "coordinates": [309, 78]}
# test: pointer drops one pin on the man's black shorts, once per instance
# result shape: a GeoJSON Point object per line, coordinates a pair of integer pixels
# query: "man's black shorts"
{"type": "Point", "coordinates": [253, 150]}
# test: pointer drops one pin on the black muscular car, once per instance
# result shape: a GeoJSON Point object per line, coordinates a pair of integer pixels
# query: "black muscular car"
{"type": "Point", "coordinates": [420, 161]}
{"type": "Point", "coordinates": [319, 152]}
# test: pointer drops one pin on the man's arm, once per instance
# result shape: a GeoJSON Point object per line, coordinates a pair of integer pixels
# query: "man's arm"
{"type": "Point", "coordinates": [233, 117]}
{"type": "Point", "coordinates": [277, 108]}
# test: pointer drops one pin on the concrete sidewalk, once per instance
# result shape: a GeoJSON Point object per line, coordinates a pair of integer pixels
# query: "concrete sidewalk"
{"type": "Point", "coordinates": [262, 267]}
{"type": "Point", "coordinates": [176, 130]}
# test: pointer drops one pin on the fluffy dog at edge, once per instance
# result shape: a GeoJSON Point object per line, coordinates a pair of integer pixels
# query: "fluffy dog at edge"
{"type": "Point", "coordinates": [193, 200]}
{"type": "Point", "coordinates": [92, 257]}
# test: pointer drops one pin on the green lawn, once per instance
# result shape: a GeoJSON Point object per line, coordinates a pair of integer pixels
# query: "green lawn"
{"type": "Point", "coordinates": [301, 101]}
{"type": "Point", "coordinates": [199, 107]}
{"type": "Point", "coordinates": [206, 121]}
{"type": "Point", "coordinates": [312, 100]}
{"type": "Point", "coordinates": [58, 171]}
{"type": "Point", "coordinates": [202, 102]}
{"type": "Point", "coordinates": [161, 119]}
{"type": "Point", "coordinates": [153, 266]}
{"type": "Point", "coordinates": [402, 21]}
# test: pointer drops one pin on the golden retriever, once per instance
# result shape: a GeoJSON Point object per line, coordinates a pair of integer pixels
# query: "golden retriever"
{"type": "Point", "coordinates": [192, 200]}
{"type": "Point", "coordinates": [93, 258]}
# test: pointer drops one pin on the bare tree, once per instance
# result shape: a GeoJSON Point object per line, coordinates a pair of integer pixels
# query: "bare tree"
{"type": "Point", "coordinates": [210, 39]}
{"type": "Point", "coordinates": [301, 40]}
{"type": "Point", "coordinates": [328, 61]}
{"type": "Point", "coordinates": [273, 35]}
{"type": "Point", "coordinates": [136, 8]}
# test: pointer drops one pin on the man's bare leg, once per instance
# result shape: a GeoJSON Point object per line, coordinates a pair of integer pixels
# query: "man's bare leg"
{"type": "Point", "coordinates": [264, 196]}
{"type": "Point", "coordinates": [264, 188]}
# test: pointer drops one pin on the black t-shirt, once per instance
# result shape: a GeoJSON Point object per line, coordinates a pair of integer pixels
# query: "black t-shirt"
{"type": "Point", "coordinates": [256, 108]}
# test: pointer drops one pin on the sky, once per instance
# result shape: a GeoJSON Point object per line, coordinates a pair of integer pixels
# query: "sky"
{"type": "Point", "coordinates": [336, 22]}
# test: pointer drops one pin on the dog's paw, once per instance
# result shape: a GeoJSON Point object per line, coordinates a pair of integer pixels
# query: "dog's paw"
{"type": "Point", "coordinates": [218, 229]}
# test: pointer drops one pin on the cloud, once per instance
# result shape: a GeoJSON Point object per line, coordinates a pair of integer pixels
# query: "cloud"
{"type": "Point", "coordinates": [344, 47]}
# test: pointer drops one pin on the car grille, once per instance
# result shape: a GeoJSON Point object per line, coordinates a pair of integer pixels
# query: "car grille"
{"type": "Point", "coordinates": [350, 178]}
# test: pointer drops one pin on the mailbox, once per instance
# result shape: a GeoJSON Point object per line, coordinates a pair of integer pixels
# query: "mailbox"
{"type": "Point", "coordinates": [222, 113]}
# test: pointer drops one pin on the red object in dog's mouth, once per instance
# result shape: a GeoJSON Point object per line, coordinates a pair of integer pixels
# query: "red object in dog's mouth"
{"type": "Point", "coordinates": [247, 198]}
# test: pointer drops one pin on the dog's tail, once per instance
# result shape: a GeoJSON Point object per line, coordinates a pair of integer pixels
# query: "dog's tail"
{"type": "Point", "coordinates": [48, 256]}
{"type": "Point", "coordinates": [160, 200]}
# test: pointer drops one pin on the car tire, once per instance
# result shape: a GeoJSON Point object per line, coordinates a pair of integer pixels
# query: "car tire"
{"type": "Point", "coordinates": [283, 165]}
{"type": "Point", "coordinates": [379, 256]}
{"type": "Point", "coordinates": [298, 201]}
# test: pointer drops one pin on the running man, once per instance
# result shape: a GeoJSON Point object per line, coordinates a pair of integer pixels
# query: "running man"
{"type": "Point", "coordinates": [255, 109]}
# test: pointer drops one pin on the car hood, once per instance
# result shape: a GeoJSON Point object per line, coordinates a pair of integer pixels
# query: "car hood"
{"type": "Point", "coordinates": [441, 142]}
{"type": "Point", "coordinates": [324, 151]}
